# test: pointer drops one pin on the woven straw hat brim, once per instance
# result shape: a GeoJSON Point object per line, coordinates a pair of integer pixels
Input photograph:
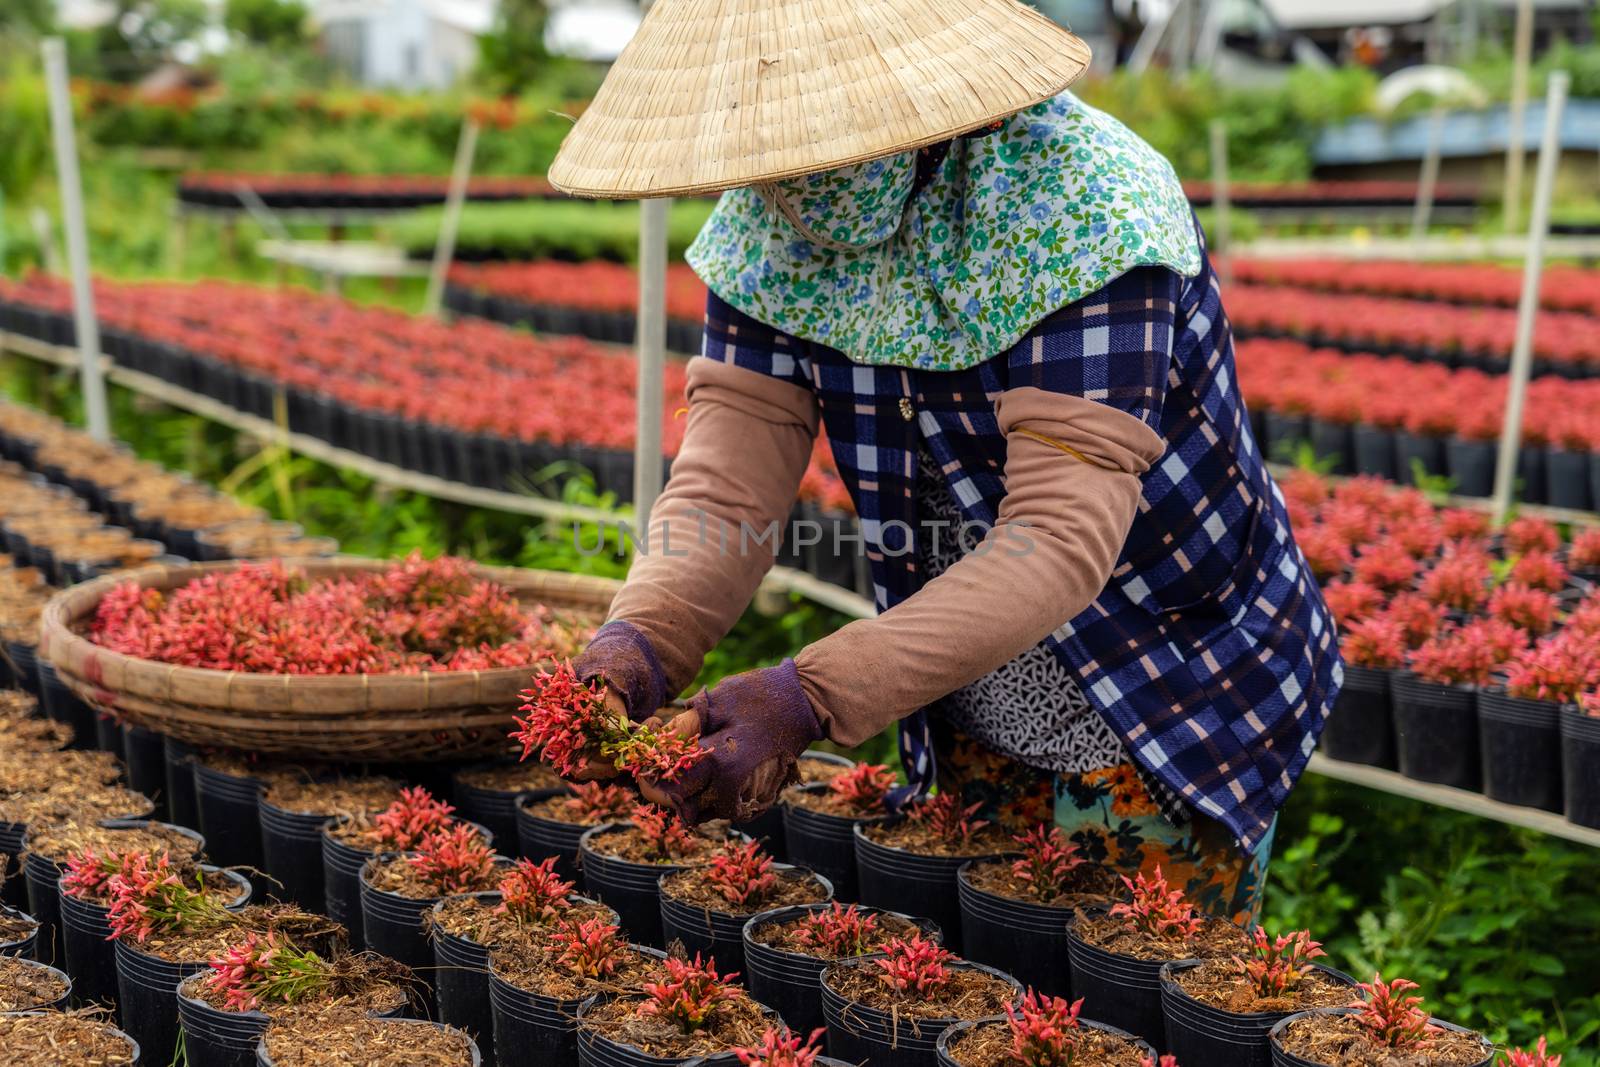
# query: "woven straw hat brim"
{"type": "Point", "coordinates": [717, 94]}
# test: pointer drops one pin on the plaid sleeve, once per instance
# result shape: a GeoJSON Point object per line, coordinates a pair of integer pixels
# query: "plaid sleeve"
{"type": "Point", "coordinates": [1113, 346]}
{"type": "Point", "coordinates": [736, 338]}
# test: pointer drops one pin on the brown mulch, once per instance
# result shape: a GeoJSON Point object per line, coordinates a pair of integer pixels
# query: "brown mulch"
{"type": "Point", "coordinates": [28, 735]}
{"type": "Point", "coordinates": [268, 771]}
{"type": "Point", "coordinates": [794, 887]}
{"type": "Point", "coordinates": [63, 1039]}
{"type": "Point", "coordinates": [24, 985]}
{"type": "Point", "coordinates": [538, 972]}
{"type": "Point", "coordinates": [1216, 939]}
{"type": "Point", "coordinates": [364, 982]}
{"type": "Point", "coordinates": [348, 1039]}
{"type": "Point", "coordinates": [917, 838]}
{"type": "Point", "coordinates": [1340, 1041]}
{"type": "Point", "coordinates": [35, 772]}
{"type": "Point", "coordinates": [1088, 884]}
{"type": "Point", "coordinates": [781, 935]}
{"type": "Point", "coordinates": [1217, 982]}
{"type": "Point", "coordinates": [344, 796]}
{"type": "Point", "coordinates": [629, 844]}
{"type": "Point", "coordinates": [74, 801]}
{"type": "Point", "coordinates": [13, 927]}
{"type": "Point", "coordinates": [512, 778]}
{"type": "Point", "coordinates": [59, 841]}
{"type": "Point", "coordinates": [479, 921]}
{"type": "Point", "coordinates": [828, 802]}
{"type": "Point", "coordinates": [968, 994]}
{"type": "Point", "coordinates": [735, 1024]}
{"type": "Point", "coordinates": [989, 1045]}
{"type": "Point", "coordinates": [401, 878]}
{"type": "Point", "coordinates": [357, 832]}
{"type": "Point", "coordinates": [206, 942]}
{"type": "Point", "coordinates": [813, 770]}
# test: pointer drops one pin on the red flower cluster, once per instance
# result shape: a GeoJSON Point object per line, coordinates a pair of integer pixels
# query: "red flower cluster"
{"type": "Point", "coordinates": [1533, 611]}
{"type": "Point", "coordinates": [1467, 655]}
{"type": "Point", "coordinates": [420, 615]}
{"type": "Point", "coordinates": [594, 285]}
{"type": "Point", "coordinates": [567, 723]}
{"type": "Point", "coordinates": [533, 892]}
{"type": "Point", "coordinates": [666, 834]}
{"type": "Point", "coordinates": [1044, 1030]}
{"type": "Point", "coordinates": [784, 1048]}
{"type": "Point", "coordinates": [411, 819]}
{"type": "Point", "coordinates": [89, 873]}
{"type": "Point", "coordinates": [591, 948]}
{"type": "Point", "coordinates": [689, 995]}
{"type": "Point", "coordinates": [864, 786]}
{"type": "Point", "coordinates": [742, 873]}
{"type": "Point", "coordinates": [1393, 1019]}
{"type": "Point", "coordinates": [454, 860]}
{"type": "Point", "coordinates": [598, 802]}
{"type": "Point", "coordinates": [946, 818]}
{"type": "Point", "coordinates": [838, 930]}
{"type": "Point", "coordinates": [265, 969]}
{"type": "Point", "coordinates": [148, 897]}
{"type": "Point", "coordinates": [1156, 909]}
{"type": "Point", "coordinates": [1048, 859]}
{"type": "Point", "coordinates": [914, 965]}
{"type": "Point", "coordinates": [1559, 669]}
{"type": "Point", "coordinates": [1277, 965]}
{"type": "Point", "coordinates": [1539, 1057]}
{"type": "Point", "coordinates": [417, 188]}
{"type": "Point", "coordinates": [1561, 288]}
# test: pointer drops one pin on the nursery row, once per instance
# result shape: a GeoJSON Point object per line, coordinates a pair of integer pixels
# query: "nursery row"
{"type": "Point", "coordinates": [1387, 416]}
{"type": "Point", "coordinates": [1472, 660]}
{"type": "Point", "coordinates": [1561, 287]}
{"type": "Point", "coordinates": [363, 191]}
{"type": "Point", "coordinates": [368, 901]}
{"type": "Point", "coordinates": [1330, 194]}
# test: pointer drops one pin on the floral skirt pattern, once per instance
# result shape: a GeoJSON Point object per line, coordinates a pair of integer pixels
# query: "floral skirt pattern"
{"type": "Point", "coordinates": [1110, 816]}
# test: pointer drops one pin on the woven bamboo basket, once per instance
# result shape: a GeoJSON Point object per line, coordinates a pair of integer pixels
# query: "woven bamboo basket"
{"type": "Point", "coordinates": [346, 717]}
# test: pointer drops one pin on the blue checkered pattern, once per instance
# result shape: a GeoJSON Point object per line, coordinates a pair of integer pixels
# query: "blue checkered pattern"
{"type": "Point", "coordinates": [1210, 650]}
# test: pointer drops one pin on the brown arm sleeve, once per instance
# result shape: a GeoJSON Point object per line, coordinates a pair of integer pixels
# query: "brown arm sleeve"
{"type": "Point", "coordinates": [1073, 485]}
{"type": "Point", "coordinates": [745, 448]}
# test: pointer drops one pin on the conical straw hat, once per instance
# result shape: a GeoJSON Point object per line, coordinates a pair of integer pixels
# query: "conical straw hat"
{"type": "Point", "coordinates": [716, 94]}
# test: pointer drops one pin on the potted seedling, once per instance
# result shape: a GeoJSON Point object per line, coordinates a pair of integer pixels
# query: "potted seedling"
{"type": "Point", "coordinates": [1519, 721]}
{"type": "Point", "coordinates": [292, 812]}
{"type": "Point", "coordinates": [1583, 555]}
{"type": "Point", "coordinates": [915, 856]}
{"type": "Point", "coordinates": [1117, 953]}
{"type": "Point", "coordinates": [550, 822]}
{"type": "Point", "coordinates": [225, 1009]}
{"type": "Point", "coordinates": [1015, 909]}
{"type": "Point", "coordinates": [787, 949]}
{"type": "Point", "coordinates": [65, 1039]}
{"type": "Point", "coordinates": [1435, 701]}
{"type": "Point", "coordinates": [1042, 1031]}
{"type": "Point", "coordinates": [527, 905]}
{"type": "Point", "coordinates": [1388, 1025]}
{"type": "Point", "coordinates": [1461, 581]}
{"type": "Point", "coordinates": [1219, 1012]}
{"type": "Point", "coordinates": [1533, 611]}
{"type": "Point", "coordinates": [892, 1007]}
{"type": "Point", "coordinates": [1360, 729]}
{"type": "Point", "coordinates": [706, 907]}
{"type": "Point", "coordinates": [819, 820]}
{"type": "Point", "coordinates": [783, 1047]}
{"type": "Point", "coordinates": [535, 996]}
{"type": "Point", "coordinates": [689, 1011]}
{"type": "Point", "coordinates": [623, 863]}
{"type": "Point", "coordinates": [315, 1040]}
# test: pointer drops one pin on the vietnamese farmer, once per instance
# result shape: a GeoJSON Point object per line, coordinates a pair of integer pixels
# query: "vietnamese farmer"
{"type": "Point", "coordinates": [997, 303]}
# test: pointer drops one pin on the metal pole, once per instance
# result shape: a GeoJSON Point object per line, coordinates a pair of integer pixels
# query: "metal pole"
{"type": "Point", "coordinates": [1505, 471]}
{"type": "Point", "coordinates": [651, 344]}
{"type": "Point", "coordinates": [444, 249]}
{"type": "Point", "coordinates": [1428, 180]}
{"type": "Point", "coordinates": [1221, 201]}
{"type": "Point", "coordinates": [88, 329]}
{"type": "Point", "coordinates": [1522, 56]}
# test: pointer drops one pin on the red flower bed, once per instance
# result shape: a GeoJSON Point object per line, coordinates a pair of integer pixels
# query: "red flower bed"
{"type": "Point", "coordinates": [592, 286]}
{"type": "Point", "coordinates": [1561, 288]}
{"type": "Point", "coordinates": [1327, 193]}
{"type": "Point", "coordinates": [427, 186]}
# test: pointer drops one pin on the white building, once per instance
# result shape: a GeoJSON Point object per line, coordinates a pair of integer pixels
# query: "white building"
{"type": "Point", "coordinates": [404, 44]}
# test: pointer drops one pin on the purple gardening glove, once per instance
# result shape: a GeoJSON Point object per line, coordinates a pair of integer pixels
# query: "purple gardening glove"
{"type": "Point", "coordinates": [621, 656]}
{"type": "Point", "coordinates": [756, 725]}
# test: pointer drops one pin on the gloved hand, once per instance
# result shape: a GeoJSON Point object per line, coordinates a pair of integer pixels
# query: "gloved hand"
{"type": "Point", "coordinates": [621, 656]}
{"type": "Point", "coordinates": [756, 725]}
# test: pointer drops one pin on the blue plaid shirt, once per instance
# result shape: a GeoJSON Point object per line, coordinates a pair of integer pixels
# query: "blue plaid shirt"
{"type": "Point", "coordinates": [1210, 650]}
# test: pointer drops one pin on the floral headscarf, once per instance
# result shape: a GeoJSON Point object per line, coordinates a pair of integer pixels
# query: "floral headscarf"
{"type": "Point", "coordinates": [1012, 226]}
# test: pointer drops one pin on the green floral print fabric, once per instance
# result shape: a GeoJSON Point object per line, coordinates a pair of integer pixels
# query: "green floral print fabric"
{"type": "Point", "coordinates": [1014, 225]}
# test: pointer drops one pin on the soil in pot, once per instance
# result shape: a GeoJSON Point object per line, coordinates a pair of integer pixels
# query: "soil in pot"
{"type": "Point", "coordinates": [17, 933]}
{"type": "Point", "coordinates": [617, 1030]}
{"type": "Point", "coordinates": [622, 867]}
{"type": "Point", "coordinates": [870, 1021]}
{"type": "Point", "coordinates": [787, 949]}
{"type": "Point", "coordinates": [26, 985]}
{"type": "Point", "coordinates": [63, 1039]}
{"type": "Point", "coordinates": [706, 907]}
{"type": "Point", "coordinates": [987, 1043]}
{"type": "Point", "coordinates": [292, 813]}
{"type": "Point", "coordinates": [345, 1037]}
{"type": "Point", "coordinates": [916, 857]}
{"type": "Point", "coordinates": [1216, 1018]}
{"type": "Point", "coordinates": [550, 822]}
{"type": "Point", "coordinates": [488, 795]}
{"type": "Point", "coordinates": [1334, 1038]}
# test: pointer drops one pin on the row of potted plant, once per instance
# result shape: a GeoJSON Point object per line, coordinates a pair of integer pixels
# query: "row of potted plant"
{"type": "Point", "coordinates": [360, 191]}
{"type": "Point", "coordinates": [1562, 287]}
{"type": "Point", "coordinates": [1390, 417]}
{"type": "Point", "coordinates": [1329, 194]}
{"type": "Point", "coordinates": [1472, 658]}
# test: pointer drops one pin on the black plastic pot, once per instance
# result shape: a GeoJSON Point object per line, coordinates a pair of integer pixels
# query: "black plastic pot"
{"type": "Point", "coordinates": [13, 888]}
{"type": "Point", "coordinates": [891, 876]}
{"type": "Point", "coordinates": [476, 1058]}
{"type": "Point", "coordinates": [1566, 479]}
{"type": "Point", "coordinates": [341, 884]}
{"type": "Point", "coordinates": [533, 1030]}
{"type": "Point", "coordinates": [540, 839]}
{"type": "Point", "coordinates": [1520, 742]}
{"type": "Point", "coordinates": [108, 736]}
{"type": "Point", "coordinates": [864, 1035]}
{"type": "Point", "coordinates": [1530, 473]}
{"type": "Point", "coordinates": [1200, 1035]}
{"type": "Point", "coordinates": [181, 805]}
{"type": "Point", "coordinates": [1436, 731]}
{"type": "Point", "coordinates": [825, 843]}
{"type": "Point", "coordinates": [1360, 729]}
{"type": "Point", "coordinates": [147, 995]}
{"type": "Point", "coordinates": [23, 947]}
{"type": "Point", "coordinates": [145, 754]}
{"type": "Point", "coordinates": [1120, 990]}
{"type": "Point", "coordinates": [952, 1032]}
{"type": "Point", "coordinates": [1028, 939]}
{"type": "Point", "coordinates": [628, 888]}
{"type": "Point", "coordinates": [60, 1003]}
{"type": "Point", "coordinates": [1331, 441]}
{"type": "Point", "coordinates": [227, 807]}
{"type": "Point", "coordinates": [63, 705]}
{"type": "Point", "coordinates": [216, 1038]}
{"type": "Point", "coordinates": [791, 983]}
{"type": "Point", "coordinates": [24, 660]}
{"type": "Point", "coordinates": [718, 935]}
{"type": "Point", "coordinates": [291, 852]}
{"type": "Point", "coordinates": [89, 955]}
{"type": "Point", "coordinates": [596, 1050]}
{"type": "Point", "coordinates": [461, 981]}
{"type": "Point", "coordinates": [1285, 431]}
{"type": "Point", "coordinates": [1280, 1058]}
{"type": "Point", "coordinates": [1580, 755]}
{"type": "Point", "coordinates": [1418, 450]}
{"type": "Point", "coordinates": [135, 1053]}
{"type": "Point", "coordinates": [1374, 450]}
{"type": "Point", "coordinates": [494, 808]}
